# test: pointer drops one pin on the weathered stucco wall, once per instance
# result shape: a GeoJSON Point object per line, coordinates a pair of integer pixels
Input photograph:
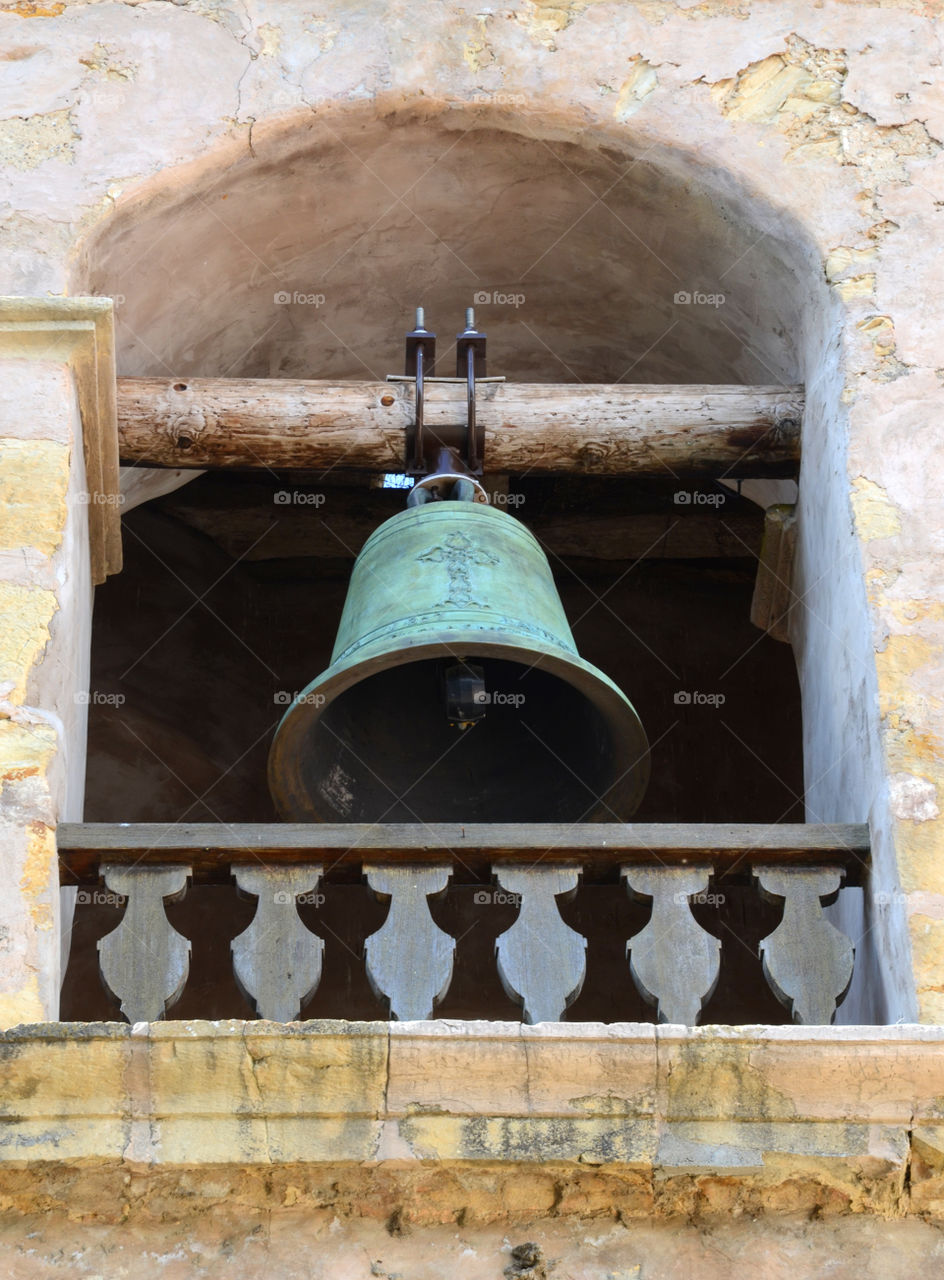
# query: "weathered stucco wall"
{"type": "Point", "coordinates": [813, 131]}
{"type": "Point", "coordinates": [344, 1149]}
{"type": "Point", "coordinates": [814, 128]}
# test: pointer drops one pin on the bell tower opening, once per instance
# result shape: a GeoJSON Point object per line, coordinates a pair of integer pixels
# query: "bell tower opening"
{"type": "Point", "coordinates": [588, 265]}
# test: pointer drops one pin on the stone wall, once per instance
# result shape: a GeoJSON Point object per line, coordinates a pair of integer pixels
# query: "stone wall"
{"type": "Point", "coordinates": [196, 161]}
{"type": "Point", "coordinates": [344, 1149]}
{"type": "Point", "coordinates": [59, 534]}
{"type": "Point", "coordinates": [811, 133]}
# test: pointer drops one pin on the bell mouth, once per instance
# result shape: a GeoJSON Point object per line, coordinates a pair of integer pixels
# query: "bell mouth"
{"type": "Point", "coordinates": [371, 742]}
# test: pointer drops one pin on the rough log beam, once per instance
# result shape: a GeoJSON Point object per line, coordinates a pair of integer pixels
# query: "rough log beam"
{"type": "Point", "coordinates": [601, 429]}
{"type": "Point", "coordinates": [599, 848]}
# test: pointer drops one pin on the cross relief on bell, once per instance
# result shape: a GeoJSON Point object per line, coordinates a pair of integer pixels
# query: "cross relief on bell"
{"type": "Point", "coordinates": [459, 553]}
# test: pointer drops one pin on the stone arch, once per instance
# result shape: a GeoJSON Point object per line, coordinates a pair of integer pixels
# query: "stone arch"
{"type": "Point", "coordinates": [361, 214]}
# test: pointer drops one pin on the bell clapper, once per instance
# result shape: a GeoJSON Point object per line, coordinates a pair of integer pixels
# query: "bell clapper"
{"type": "Point", "coordinates": [466, 698]}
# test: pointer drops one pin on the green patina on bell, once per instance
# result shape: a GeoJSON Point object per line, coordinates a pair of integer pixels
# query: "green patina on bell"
{"type": "Point", "coordinates": [455, 691]}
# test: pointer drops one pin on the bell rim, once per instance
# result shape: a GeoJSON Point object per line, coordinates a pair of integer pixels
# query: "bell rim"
{"type": "Point", "coordinates": [303, 715]}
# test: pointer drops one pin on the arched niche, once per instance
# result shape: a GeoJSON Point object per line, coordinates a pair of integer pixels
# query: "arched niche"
{"type": "Point", "coordinates": [604, 244]}
{"type": "Point", "coordinates": [362, 216]}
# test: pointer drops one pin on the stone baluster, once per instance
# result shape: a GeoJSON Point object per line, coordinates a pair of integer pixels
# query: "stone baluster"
{"type": "Point", "coordinates": [409, 958]}
{"type": "Point", "coordinates": [277, 961]}
{"type": "Point", "coordinates": [673, 961]}
{"type": "Point", "coordinates": [808, 962]}
{"type": "Point", "coordinates": [145, 962]}
{"type": "Point", "coordinates": [541, 960]}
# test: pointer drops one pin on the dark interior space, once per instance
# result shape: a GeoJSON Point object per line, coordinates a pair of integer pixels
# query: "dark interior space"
{"type": "Point", "coordinates": [228, 605]}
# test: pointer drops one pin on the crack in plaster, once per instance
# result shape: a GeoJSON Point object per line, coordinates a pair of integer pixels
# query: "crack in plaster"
{"type": "Point", "coordinates": [241, 39]}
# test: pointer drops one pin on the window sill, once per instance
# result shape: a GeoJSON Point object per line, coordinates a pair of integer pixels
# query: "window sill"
{"type": "Point", "coordinates": [651, 1118]}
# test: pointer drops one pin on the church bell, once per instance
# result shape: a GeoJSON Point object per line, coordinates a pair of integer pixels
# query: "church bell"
{"type": "Point", "coordinates": [455, 691]}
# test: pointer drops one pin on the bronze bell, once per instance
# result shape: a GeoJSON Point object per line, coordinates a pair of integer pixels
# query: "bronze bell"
{"type": "Point", "coordinates": [455, 692]}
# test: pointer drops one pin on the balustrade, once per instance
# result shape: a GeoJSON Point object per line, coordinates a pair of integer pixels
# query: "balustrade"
{"type": "Point", "coordinates": [673, 961]}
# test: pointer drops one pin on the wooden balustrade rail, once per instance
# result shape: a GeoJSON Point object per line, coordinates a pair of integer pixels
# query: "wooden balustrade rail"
{"type": "Point", "coordinates": [599, 848]}
{"type": "Point", "coordinates": [674, 961]}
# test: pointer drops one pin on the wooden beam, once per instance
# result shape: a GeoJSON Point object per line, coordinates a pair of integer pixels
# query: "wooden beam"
{"type": "Point", "coordinates": [600, 848]}
{"type": "Point", "coordinates": [600, 429]}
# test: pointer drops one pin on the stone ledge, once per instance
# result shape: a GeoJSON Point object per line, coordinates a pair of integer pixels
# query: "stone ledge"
{"type": "Point", "coordinates": [636, 1114]}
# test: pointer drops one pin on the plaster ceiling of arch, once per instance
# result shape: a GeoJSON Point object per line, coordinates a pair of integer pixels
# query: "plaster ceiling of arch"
{"type": "Point", "coordinates": [398, 213]}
